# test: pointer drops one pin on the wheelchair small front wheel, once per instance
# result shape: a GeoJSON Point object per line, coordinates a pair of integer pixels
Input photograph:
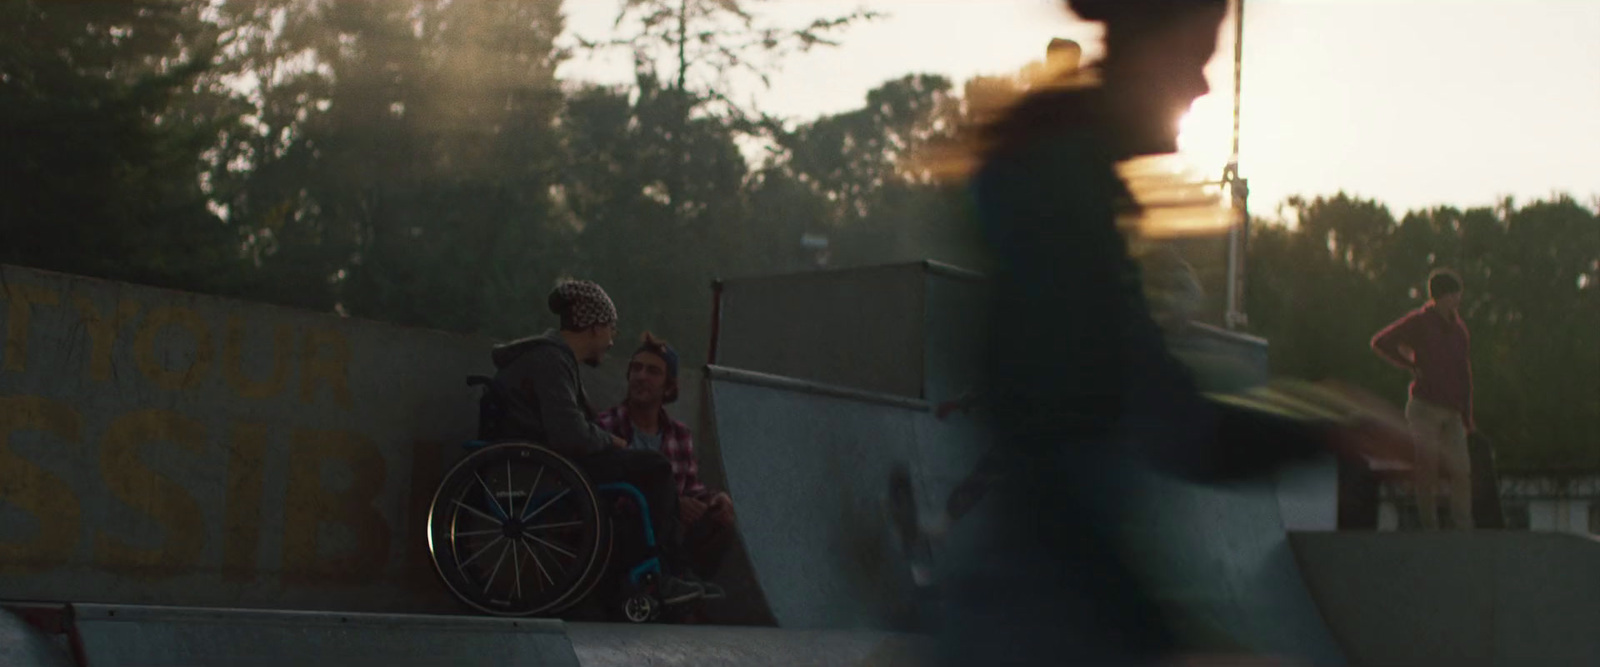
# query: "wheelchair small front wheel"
{"type": "Point", "coordinates": [516, 530]}
{"type": "Point", "coordinates": [640, 608]}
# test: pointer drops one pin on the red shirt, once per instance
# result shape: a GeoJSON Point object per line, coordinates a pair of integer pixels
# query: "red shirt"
{"type": "Point", "coordinates": [1440, 346]}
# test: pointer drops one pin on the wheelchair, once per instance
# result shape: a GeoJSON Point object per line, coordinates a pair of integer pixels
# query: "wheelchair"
{"type": "Point", "coordinates": [516, 529]}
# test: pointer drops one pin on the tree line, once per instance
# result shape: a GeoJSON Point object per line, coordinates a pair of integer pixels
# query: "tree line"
{"type": "Point", "coordinates": [420, 162]}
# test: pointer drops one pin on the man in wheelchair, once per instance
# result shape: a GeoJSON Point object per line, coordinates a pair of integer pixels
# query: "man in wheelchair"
{"type": "Point", "coordinates": [545, 401]}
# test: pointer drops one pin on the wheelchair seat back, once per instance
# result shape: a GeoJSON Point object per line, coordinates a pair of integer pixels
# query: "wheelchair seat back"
{"type": "Point", "coordinates": [491, 407]}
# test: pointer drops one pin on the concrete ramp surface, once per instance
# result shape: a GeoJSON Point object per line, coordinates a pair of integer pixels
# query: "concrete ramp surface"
{"type": "Point", "coordinates": [134, 635]}
{"type": "Point", "coordinates": [1221, 559]}
{"type": "Point", "coordinates": [1465, 599]}
{"type": "Point", "coordinates": [599, 645]}
{"type": "Point", "coordinates": [23, 645]}
{"type": "Point", "coordinates": [113, 636]}
{"type": "Point", "coordinates": [808, 465]}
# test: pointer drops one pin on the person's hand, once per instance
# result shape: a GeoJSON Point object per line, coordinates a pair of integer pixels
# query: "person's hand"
{"type": "Point", "coordinates": [721, 509]}
{"type": "Point", "coordinates": [619, 443]}
{"type": "Point", "coordinates": [690, 510]}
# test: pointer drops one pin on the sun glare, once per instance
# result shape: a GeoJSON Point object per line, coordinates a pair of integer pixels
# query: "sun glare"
{"type": "Point", "coordinates": [1205, 134]}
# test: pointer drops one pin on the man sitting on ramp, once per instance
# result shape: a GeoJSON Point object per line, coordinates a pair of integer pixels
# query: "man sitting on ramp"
{"type": "Point", "coordinates": [546, 402]}
{"type": "Point", "coordinates": [642, 420]}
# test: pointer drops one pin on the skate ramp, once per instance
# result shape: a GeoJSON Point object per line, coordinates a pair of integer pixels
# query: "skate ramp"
{"type": "Point", "coordinates": [23, 645]}
{"type": "Point", "coordinates": [808, 465]}
{"type": "Point", "coordinates": [1220, 557]}
{"type": "Point", "coordinates": [1473, 599]}
{"type": "Point", "coordinates": [902, 330]}
{"type": "Point", "coordinates": [807, 438]}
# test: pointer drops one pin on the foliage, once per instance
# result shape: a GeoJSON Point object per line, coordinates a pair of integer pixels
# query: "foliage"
{"type": "Point", "coordinates": [419, 162]}
{"type": "Point", "coordinates": [1320, 291]}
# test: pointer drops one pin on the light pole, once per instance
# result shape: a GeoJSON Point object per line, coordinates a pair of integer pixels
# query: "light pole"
{"type": "Point", "coordinates": [1238, 188]}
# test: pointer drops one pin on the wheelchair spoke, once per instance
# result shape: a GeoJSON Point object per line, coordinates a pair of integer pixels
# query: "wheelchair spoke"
{"type": "Point", "coordinates": [552, 526]}
{"type": "Point", "coordinates": [555, 560]}
{"type": "Point", "coordinates": [476, 511]}
{"type": "Point", "coordinates": [496, 571]}
{"type": "Point", "coordinates": [479, 533]}
{"type": "Point", "coordinates": [550, 545]}
{"type": "Point", "coordinates": [537, 476]}
{"type": "Point", "coordinates": [516, 566]}
{"type": "Point", "coordinates": [483, 551]}
{"type": "Point", "coordinates": [548, 503]}
{"type": "Point", "coordinates": [538, 563]}
{"type": "Point", "coordinates": [497, 508]}
{"type": "Point", "coordinates": [511, 498]}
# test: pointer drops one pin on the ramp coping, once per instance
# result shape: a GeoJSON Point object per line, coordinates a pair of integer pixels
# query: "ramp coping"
{"type": "Point", "coordinates": [741, 376]}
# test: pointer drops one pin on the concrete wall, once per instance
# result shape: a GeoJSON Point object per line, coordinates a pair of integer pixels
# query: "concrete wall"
{"type": "Point", "coordinates": [170, 448]}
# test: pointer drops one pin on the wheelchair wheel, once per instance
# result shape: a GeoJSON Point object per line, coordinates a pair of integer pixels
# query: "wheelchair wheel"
{"type": "Point", "coordinates": [602, 565]}
{"type": "Point", "coordinates": [516, 530]}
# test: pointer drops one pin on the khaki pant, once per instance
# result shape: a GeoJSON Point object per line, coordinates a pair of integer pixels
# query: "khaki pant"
{"type": "Point", "coordinates": [1441, 438]}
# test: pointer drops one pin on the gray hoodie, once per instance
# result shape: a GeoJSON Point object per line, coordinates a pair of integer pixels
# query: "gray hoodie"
{"type": "Point", "coordinates": [545, 397]}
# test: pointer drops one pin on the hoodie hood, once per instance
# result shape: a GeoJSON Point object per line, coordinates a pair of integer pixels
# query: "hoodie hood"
{"type": "Point", "coordinates": [508, 353]}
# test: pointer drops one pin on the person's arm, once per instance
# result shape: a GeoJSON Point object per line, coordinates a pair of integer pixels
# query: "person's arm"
{"type": "Point", "coordinates": [1400, 333]}
{"type": "Point", "coordinates": [551, 379]}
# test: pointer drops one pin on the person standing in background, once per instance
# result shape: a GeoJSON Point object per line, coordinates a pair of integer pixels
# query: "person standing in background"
{"type": "Point", "coordinates": [1432, 343]}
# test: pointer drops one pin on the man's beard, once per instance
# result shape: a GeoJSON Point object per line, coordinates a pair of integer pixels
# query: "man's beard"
{"type": "Point", "coordinates": [593, 362]}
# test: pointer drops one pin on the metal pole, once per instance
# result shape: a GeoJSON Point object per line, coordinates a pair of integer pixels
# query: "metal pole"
{"type": "Point", "coordinates": [1239, 188]}
{"type": "Point", "coordinates": [1238, 69]}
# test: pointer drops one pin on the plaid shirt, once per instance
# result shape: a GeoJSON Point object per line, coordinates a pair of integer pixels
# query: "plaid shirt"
{"type": "Point", "coordinates": [677, 444]}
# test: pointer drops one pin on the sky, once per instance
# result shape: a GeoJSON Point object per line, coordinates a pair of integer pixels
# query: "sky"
{"type": "Point", "coordinates": [1415, 103]}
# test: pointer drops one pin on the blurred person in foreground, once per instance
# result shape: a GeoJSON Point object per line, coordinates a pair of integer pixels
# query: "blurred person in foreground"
{"type": "Point", "coordinates": [1081, 387]}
